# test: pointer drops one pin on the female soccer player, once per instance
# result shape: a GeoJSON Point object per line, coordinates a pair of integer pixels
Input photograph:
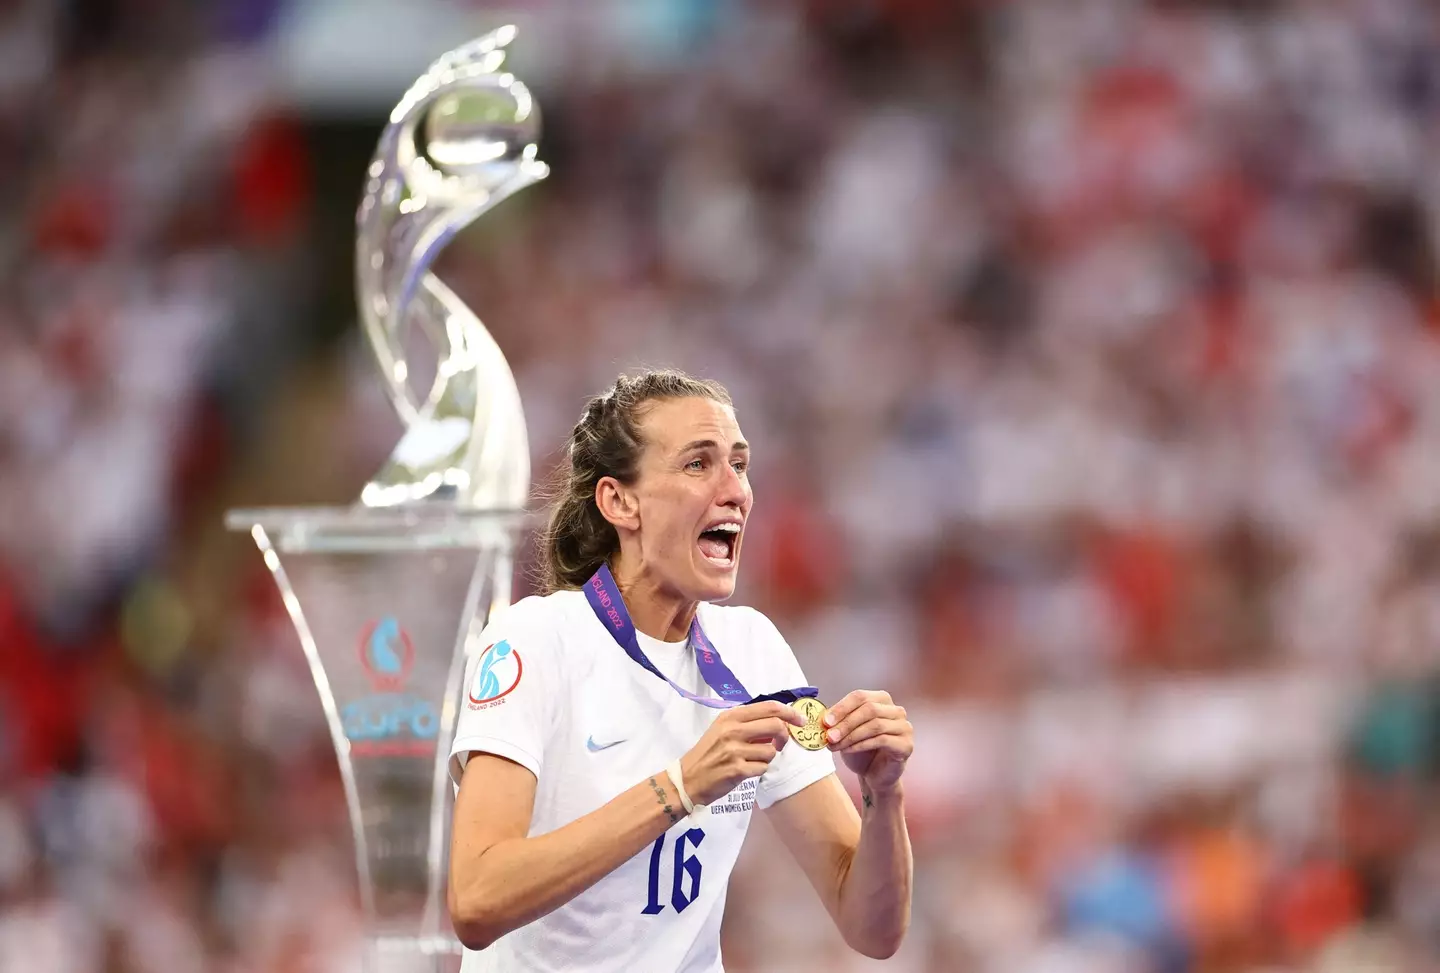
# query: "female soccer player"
{"type": "Point", "coordinates": [611, 744]}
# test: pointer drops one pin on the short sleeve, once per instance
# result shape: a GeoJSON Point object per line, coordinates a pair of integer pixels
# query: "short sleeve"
{"type": "Point", "coordinates": [794, 768]}
{"type": "Point", "coordinates": [507, 700]}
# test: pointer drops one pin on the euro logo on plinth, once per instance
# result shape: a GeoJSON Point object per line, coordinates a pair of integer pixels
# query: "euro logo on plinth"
{"type": "Point", "coordinates": [389, 595]}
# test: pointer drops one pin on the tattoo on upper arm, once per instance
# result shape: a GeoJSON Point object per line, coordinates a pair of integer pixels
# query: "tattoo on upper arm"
{"type": "Point", "coordinates": [663, 800]}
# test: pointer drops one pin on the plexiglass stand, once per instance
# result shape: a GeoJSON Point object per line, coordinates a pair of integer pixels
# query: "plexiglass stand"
{"type": "Point", "coordinates": [387, 603]}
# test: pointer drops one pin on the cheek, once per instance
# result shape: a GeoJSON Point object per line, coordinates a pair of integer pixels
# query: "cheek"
{"type": "Point", "coordinates": [673, 540]}
{"type": "Point", "coordinates": [670, 531]}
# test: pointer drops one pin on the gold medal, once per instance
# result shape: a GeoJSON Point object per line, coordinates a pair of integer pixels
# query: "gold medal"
{"type": "Point", "coordinates": [811, 736]}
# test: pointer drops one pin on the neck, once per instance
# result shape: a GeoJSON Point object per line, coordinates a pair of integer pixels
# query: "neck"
{"type": "Point", "coordinates": [656, 611]}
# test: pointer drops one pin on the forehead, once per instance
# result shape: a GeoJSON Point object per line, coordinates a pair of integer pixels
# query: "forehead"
{"type": "Point", "coordinates": [669, 424]}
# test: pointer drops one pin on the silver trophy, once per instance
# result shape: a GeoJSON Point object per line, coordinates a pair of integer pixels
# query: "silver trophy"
{"type": "Point", "coordinates": [390, 595]}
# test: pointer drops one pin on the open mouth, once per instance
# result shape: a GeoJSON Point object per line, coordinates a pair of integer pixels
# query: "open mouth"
{"type": "Point", "coordinates": [718, 544]}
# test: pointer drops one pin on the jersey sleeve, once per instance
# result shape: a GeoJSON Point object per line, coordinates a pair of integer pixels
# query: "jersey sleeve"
{"type": "Point", "coordinates": [794, 768]}
{"type": "Point", "coordinates": [507, 700]}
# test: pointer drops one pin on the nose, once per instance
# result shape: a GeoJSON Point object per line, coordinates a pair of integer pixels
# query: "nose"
{"type": "Point", "coordinates": [734, 490]}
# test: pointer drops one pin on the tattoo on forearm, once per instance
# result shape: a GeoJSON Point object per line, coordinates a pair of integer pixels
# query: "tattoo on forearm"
{"type": "Point", "coordinates": [664, 801]}
{"type": "Point", "coordinates": [865, 796]}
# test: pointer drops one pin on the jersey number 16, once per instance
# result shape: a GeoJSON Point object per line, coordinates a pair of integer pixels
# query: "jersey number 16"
{"type": "Point", "coordinates": [686, 867]}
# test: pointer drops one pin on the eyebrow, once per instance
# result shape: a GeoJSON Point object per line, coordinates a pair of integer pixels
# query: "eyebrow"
{"type": "Point", "coordinates": [739, 446]}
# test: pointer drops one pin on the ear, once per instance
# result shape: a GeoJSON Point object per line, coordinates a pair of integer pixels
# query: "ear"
{"type": "Point", "coordinates": [618, 503]}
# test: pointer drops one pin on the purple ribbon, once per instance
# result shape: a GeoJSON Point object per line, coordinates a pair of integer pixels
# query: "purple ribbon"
{"type": "Point", "coordinates": [604, 596]}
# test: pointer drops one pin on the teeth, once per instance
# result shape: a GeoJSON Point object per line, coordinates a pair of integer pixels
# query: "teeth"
{"type": "Point", "coordinates": [731, 530]}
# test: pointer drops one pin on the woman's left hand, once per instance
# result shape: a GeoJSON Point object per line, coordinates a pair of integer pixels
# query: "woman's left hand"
{"type": "Point", "coordinates": [872, 736]}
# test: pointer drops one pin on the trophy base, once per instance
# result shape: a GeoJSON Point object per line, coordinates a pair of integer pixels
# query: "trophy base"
{"type": "Point", "coordinates": [386, 602]}
{"type": "Point", "coordinates": [402, 954]}
{"type": "Point", "coordinates": [420, 946]}
{"type": "Point", "coordinates": [361, 529]}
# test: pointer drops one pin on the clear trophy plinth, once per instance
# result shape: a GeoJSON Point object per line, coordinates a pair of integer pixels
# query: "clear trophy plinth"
{"type": "Point", "coordinates": [390, 595]}
{"type": "Point", "coordinates": [387, 604]}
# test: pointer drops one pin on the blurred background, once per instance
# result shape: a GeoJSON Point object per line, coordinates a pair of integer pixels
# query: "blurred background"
{"type": "Point", "coordinates": [1089, 351]}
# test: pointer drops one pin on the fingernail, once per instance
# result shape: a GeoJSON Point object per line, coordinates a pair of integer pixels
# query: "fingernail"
{"type": "Point", "coordinates": [833, 735]}
{"type": "Point", "coordinates": [829, 718]}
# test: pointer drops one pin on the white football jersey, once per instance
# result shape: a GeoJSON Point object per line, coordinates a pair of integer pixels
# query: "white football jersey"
{"type": "Point", "coordinates": [554, 692]}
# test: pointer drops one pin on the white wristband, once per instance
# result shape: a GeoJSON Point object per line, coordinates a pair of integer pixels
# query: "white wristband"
{"type": "Point", "coordinates": [674, 771]}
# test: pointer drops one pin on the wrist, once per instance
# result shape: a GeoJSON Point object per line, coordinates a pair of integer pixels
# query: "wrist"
{"type": "Point", "coordinates": [666, 798]}
{"type": "Point", "coordinates": [882, 796]}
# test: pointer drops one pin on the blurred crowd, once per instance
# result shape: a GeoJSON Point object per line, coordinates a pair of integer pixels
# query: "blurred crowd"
{"type": "Point", "coordinates": [1089, 354]}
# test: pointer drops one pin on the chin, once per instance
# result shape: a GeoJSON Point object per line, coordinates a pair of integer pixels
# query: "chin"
{"type": "Point", "coordinates": [713, 586]}
{"type": "Point", "coordinates": [721, 592]}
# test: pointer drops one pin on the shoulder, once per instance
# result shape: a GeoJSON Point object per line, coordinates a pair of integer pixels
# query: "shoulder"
{"type": "Point", "coordinates": [531, 637]}
{"type": "Point", "coordinates": [538, 619]}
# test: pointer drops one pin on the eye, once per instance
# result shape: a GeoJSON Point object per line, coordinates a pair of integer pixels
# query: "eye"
{"type": "Point", "coordinates": [697, 464]}
{"type": "Point", "coordinates": [740, 466]}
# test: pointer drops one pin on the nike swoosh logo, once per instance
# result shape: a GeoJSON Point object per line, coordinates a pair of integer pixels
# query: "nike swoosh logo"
{"type": "Point", "coordinates": [594, 747]}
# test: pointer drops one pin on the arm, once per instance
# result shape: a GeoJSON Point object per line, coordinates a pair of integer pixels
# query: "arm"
{"type": "Point", "coordinates": [860, 864]}
{"type": "Point", "coordinates": [500, 879]}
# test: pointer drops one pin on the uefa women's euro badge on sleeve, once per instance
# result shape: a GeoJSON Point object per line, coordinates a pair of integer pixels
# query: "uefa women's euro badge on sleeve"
{"type": "Point", "coordinates": [389, 596]}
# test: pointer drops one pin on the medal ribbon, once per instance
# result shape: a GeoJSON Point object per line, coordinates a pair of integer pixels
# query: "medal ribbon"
{"type": "Point", "coordinates": [604, 596]}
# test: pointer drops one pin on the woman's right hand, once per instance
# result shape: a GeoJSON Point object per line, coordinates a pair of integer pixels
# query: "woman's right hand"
{"type": "Point", "coordinates": [740, 744]}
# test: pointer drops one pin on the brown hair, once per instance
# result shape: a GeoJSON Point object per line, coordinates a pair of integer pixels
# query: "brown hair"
{"type": "Point", "coordinates": [605, 442]}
